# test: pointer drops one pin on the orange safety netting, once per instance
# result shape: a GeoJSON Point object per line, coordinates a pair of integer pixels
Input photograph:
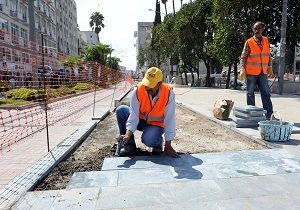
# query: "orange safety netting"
{"type": "Point", "coordinates": [34, 76]}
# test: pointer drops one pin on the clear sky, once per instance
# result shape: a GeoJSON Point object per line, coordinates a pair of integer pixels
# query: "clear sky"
{"type": "Point", "coordinates": [121, 18]}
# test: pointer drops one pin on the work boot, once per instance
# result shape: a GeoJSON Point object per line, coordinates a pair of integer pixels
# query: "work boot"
{"type": "Point", "coordinates": [158, 150]}
{"type": "Point", "coordinates": [127, 150]}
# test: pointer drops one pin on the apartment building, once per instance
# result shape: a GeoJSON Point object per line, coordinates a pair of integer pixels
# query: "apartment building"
{"type": "Point", "coordinates": [143, 35]}
{"type": "Point", "coordinates": [66, 27]}
{"type": "Point", "coordinates": [15, 48]}
{"type": "Point", "coordinates": [90, 37]}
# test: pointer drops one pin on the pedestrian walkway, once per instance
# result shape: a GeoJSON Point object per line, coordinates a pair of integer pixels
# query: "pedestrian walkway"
{"type": "Point", "coordinates": [25, 162]}
{"type": "Point", "coordinates": [202, 100]}
{"type": "Point", "coordinates": [263, 179]}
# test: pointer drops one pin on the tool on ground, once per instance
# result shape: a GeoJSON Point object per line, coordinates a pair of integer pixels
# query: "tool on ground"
{"type": "Point", "coordinates": [120, 144]}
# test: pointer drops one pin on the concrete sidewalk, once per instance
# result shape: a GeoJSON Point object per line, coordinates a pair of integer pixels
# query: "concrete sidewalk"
{"type": "Point", "coordinates": [202, 100]}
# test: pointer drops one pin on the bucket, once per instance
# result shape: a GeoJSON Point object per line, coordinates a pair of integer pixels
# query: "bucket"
{"type": "Point", "coordinates": [274, 130]}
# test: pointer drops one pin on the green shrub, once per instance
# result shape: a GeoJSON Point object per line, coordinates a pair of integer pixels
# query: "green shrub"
{"type": "Point", "coordinates": [65, 90]}
{"type": "Point", "coordinates": [82, 86]}
{"type": "Point", "coordinates": [23, 94]}
{"type": "Point", "coordinates": [52, 93]}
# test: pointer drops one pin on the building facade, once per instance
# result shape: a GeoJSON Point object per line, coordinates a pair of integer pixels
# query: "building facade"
{"type": "Point", "coordinates": [90, 37]}
{"type": "Point", "coordinates": [23, 23]}
{"type": "Point", "coordinates": [143, 35]}
{"type": "Point", "coordinates": [66, 27]}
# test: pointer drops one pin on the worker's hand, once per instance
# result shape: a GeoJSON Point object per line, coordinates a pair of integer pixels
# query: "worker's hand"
{"type": "Point", "coordinates": [242, 75]}
{"type": "Point", "coordinates": [169, 150]}
{"type": "Point", "coordinates": [127, 136]}
{"type": "Point", "coordinates": [270, 72]}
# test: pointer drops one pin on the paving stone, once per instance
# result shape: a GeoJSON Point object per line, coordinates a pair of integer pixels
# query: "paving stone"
{"type": "Point", "coordinates": [191, 160]}
{"type": "Point", "coordinates": [76, 199]}
{"type": "Point", "coordinates": [36, 200]}
{"type": "Point", "coordinates": [248, 109]}
{"type": "Point", "coordinates": [136, 196]}
{"type": "Point", "coordinates": [296, 129]}
{"type": "Point", "coordinates": [93, 179]}
{"type": "Point", "coordinates": [249, 117]}
{"type": "Point", "coordinates": [249, 114]}
{"type": "Point", "coordinates": [239, 193]}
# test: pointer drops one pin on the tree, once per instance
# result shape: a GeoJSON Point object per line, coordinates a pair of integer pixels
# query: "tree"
{"type": "Point", "coordinates": [96, 22]}
{"type": "Point", "coordinates": [165, 3]}
{"type": "Point", "coordinates": [195, 34]}
{"type": "Point", "coordinates": [114, 62]}
{"type": "Point", "coordinates": [99, 53]}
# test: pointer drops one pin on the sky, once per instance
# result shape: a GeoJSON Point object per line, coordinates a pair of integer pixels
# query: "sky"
{"type": "Point", "coordinates": [121, 18]}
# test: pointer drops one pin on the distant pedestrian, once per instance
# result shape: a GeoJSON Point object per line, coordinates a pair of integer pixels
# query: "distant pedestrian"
{"type": "Point", "coordinates": [256, 67]}
{"type": "Point", "coordinates": [12, 82]}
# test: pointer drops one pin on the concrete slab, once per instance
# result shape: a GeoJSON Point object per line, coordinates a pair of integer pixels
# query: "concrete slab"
{"type": "Point", "coordinates": [59, 199]}
{"type": "Point", "coordinates": [93, 179]}
{"type": "Point", "coordinates": [192, 160]}
{"type": "Point", "coordinates": [296, 129]}
{"type": "Point", "coordinates": [248, 108]}
{"type": "Point", "coordinates": [239, 193]}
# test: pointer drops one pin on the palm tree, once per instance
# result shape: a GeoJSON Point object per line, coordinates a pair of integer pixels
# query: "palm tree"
{"type": "Point", "coordinates": [173, 7]}
{"type": "Point", "coordinates": [165, 3]}
{"type": "Point", "coordinates": [96, 22]}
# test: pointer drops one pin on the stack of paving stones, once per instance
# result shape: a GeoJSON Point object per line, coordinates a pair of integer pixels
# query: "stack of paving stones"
{"type": "Point", "coordinates": [248, 116]}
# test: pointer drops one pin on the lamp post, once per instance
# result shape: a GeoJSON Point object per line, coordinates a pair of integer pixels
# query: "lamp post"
{"type": "Point", "coordinates": [282, 46]}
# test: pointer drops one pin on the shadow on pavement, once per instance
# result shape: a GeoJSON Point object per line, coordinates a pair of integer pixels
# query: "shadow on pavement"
{"type": "Point", "coordinates": [183, 166]}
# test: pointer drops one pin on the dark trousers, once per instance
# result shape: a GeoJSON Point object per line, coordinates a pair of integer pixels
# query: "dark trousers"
{"type": "Point", "coordinates": [152, 135]}
{"type": "Point", "coordinates": [262, 82]}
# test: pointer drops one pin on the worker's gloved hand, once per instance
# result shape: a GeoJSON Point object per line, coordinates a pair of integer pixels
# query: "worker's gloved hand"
{"type": "Point", "coordinates": [270, 72]}
{"type": "Point", "coordinates": [242, 75]}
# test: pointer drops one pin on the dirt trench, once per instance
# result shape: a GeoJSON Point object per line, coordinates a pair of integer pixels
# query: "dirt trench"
{"type": "Point", "coordinates": [194, 134]}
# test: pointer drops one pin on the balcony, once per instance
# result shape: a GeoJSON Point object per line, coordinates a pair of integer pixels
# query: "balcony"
{"type": "Point", "coordinates": [24, 17]}
{"type": "Point", "coordinates": [13, 13]}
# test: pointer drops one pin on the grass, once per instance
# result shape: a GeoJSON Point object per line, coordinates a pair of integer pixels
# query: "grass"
{"type": "Point", "coordinates": [12, 102]}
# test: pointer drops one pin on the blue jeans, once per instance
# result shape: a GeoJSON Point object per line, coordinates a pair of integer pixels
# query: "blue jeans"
{"type": "Point", "coordinates": [262, 82]}
{"type": "Point", "coordinates": [152, 135]}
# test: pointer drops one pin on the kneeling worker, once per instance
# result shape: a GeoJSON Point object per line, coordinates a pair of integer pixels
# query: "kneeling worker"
{"type": "Point", "coordinates": [152, 110]}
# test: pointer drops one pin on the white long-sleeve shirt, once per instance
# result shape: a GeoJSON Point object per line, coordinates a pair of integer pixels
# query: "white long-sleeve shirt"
{"type": "Point", "coordinates": [169, 120]}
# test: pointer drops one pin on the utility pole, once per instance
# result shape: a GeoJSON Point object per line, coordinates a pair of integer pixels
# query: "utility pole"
{"type": "Point", "coordinates": [282, 46]}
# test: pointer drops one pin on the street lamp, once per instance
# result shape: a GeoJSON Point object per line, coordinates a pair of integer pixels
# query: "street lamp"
{"type": "Point", "coordinates": [152, 10]}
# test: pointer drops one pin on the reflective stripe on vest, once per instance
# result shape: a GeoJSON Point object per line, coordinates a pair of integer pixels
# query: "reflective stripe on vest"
{"type": "Point", "coordinates": [153, 115]}
{"type": "Point", "coordinates": [258, 60]}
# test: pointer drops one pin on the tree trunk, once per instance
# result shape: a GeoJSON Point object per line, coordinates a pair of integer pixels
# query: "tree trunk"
{"type": "Point", "coordinates": [228, 77]}
{"type": "Point", "coordinates": [166, 8]}
{"type": "Point", "coordinates": [235, 75]}
{"type": "Point", "coordinates": [185, 74]}
{"type": "Point", "coordinates": [207, 80]}
{"type": "Point", "coordinates": [173, 7]}
{"type": "Point", "coordinates": [193, 78]}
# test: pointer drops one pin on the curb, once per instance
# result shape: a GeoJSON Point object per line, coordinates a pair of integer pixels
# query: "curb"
{"type": "Point", "coordinates": [259, 141]}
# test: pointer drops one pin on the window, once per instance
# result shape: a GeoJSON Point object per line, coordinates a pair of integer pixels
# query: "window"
{"type": "Point", "coordinates": [3, 24]}
{"type": "Point", "coordinates": [14, 33]}
{"type": "Point", "coordinates": [23, 11]}
{"type": "Point", "coordinates": [13, 6]}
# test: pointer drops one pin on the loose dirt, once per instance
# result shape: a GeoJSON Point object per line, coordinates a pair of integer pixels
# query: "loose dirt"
{"type": "Point", "coordinates": [194, 134]}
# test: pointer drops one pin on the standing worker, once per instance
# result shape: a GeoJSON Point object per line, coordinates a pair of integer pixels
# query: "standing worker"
{"type": "Point", "coordinates": [256, 67]}
{"type": "Point", "coordinates": [152, 110]}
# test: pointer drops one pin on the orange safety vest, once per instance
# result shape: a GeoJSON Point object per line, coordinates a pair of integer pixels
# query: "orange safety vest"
{"type": "Point", "coordinates": [258, 59]}
{"type": "Point", "coordinates": [153, 115]}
